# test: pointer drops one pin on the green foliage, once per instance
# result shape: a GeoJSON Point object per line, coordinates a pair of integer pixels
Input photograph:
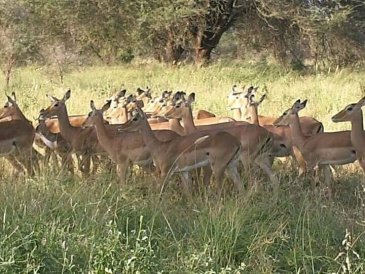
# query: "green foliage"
{"type": "Point", "coordinates": [321, 34]}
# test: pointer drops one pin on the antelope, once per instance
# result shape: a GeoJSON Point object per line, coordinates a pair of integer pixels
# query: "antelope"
{"type": "Point", "coordinates": [319, 150]}
{"type": "Point", "coordinates": [124, 148]}
{"type": "Point", "coordinates": [186, 153]}
{"type": "Point", "coordinates": [16, 137]}
{"type": "Point", "coordinates": [255, 141]}
{"type": "Point", "coordinates": [53, 143]}
{"type": "Point", "coordinates": [353, 113]}
{"type": "Point", "coordinates": [144, 95]}
{"type": "Point", "coordinates": [83, 142]}
{"type": "Point", "coordinates": [204, 114]}
{"type": "Point", "coordinates": [238, 102]}
{"type": "Point", "coordinates": [283, 145]}
{"type": "Point", "coordinates": [53, 125]}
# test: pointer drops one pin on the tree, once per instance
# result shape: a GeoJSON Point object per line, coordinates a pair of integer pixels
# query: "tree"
{"type": "Point", "coordinates": [18, 40]}
{"type": "Point", "coordinates": [208, 27]}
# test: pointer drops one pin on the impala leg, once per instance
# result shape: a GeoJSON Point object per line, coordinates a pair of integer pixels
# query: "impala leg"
{"type": "Point", "coordinates": [207, 175]}
{"type": "Point", "coordinates": [263, 161]}
{"type": "Point", "coordinates": [26, 159]}
{"type": "Point", "coordinates": [96, 163]}
{"type": "Point", "coordinates": [47, 156]}
{"type": "Point", "coordinates": [362, 163]}
{"type": "Point", "coordinates": [84, 163]}
{"type": "Point", "coordinates": [122, 169]}
{"type": "Point", "coordinates": [55, 160]}
{"type": "Point", "coordinates": [233, 174]}
{"type": "Point", "coordinates": [186, 180]}
{"type": "Point", "coordinates": [218, 172]}
{"type": "Point", "coordinates": [35, 157]}
{"type": "Point", "coordinates": [247, 164]}
{"type": "Point", "coordinates": [67, 161]}
{"type": "Point", "coordinates": [300, 160]}
{"type": "Point", "coordinates": [327, 173]}
{"type": "Point", "coordinates": [14, 162]}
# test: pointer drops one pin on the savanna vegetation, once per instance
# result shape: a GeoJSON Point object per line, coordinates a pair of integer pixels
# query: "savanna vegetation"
{"type": "Point", "coordinates": [53, 222]}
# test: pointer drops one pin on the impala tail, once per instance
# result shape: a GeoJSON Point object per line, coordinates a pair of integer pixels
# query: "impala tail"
{"type": "Point", "coordinates": [201, 139]}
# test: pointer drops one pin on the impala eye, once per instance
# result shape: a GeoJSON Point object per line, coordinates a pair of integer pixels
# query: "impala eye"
{"type": "Point", "coordinates": [350, 109]}
{"type": "Point", "coordinates": [56, 105]}
{"type": "Point", "coordinates": [285, 113]}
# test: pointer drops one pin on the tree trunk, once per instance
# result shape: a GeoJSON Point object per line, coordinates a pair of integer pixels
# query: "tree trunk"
{"type": "Point", "coordinates": [173, 51]}
{"type": "Point", "coordinates": [8, 69]}
{"type": "Point", "coordinates": [202, 56]}
{"type": "Point", "coordinates": [7, 79]}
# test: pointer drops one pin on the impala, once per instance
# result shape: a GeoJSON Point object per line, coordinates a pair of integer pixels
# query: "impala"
{"type": "Point", "coordinates": [124, 148]}
{"type": "Point", "coordinates": [319, 150]}
{"type": "Point", "coordinates": [256, 142]}
{"type": "Point", "coordinates": [144, 95]}
{"type": "Point", "coordinates": [83, 142]}
{"type": "Point", "coordinates": [186, 153]}
{"type": "Point", "coordinates": [238, 103]}
{"type": "Point", "coordinates": [353, 113]}
{"type": "Point", "coordinates": [53, 143]}
{"type": "Point", "coordinates": [16, 137]}
{"type": "Point", "coordinates": [283, 144]}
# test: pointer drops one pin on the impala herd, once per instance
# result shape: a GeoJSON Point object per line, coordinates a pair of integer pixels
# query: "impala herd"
{"type": "Point", "coordinates": [163, 136]}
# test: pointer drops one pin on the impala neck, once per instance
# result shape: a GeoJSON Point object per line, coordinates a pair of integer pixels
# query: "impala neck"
{"type": "Point", "coordinates": [176, 126]}
{"type": "Point", "coordinates": [188, 121]}
{"type": "Point", "coordinates": [65, 127]}
{"type": "Point", "coordinates": [237, 114]}
{"type": "Point", "coordinates": [254, 115]}
{"type": "Point", "coordinates": [18, 115]}
{"type": "Point", "coordinates": [122, 116]}
{"type": "Point", "coordinates": [357, 127]}
{"type": "Point", "coordinates": [102, 134]}
{"type": "Point", "coordinates": [298, 137]}
{"type": "Point", "coordinates": [149, 138]}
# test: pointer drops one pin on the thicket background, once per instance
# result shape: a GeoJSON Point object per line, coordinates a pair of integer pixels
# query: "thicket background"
{"type": "Point", "coordinates": [298, 34]}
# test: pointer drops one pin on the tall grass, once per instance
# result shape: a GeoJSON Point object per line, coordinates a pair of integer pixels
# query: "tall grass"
{"type": "Point", "coordinates": [54, 223]}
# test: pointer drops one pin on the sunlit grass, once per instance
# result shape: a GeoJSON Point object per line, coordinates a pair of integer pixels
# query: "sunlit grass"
{"type": "Point", "coordinates": [56, 223]}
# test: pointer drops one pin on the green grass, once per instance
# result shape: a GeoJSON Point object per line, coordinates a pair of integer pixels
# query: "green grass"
{"type": "Point", "coordinates": [53, 223]}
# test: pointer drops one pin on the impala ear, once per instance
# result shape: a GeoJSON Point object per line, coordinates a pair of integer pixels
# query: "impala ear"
{"type": "Point", "coordinates": [121, 93]}
{"type": "Point", "coordinates": [41, 116]}
{"type": "Point", "coordinates": [361, 103]}
{"type": "Point", "coordinates": [148, 92]}
{"type": "Point", "coordinates": [52, 98]}
{"type": "Point", "coordinates": [177, 96]}
{"type": "Point", "coordinates": [296, 105]}
{"type": "Point", "coordinates": [10, 100]}
{"type": "Point", "coordinates": [263, 97]}
{"type": "Point", "coordinates": [303, 104]}
{"type": "Point", "coordinates": [106, 106]}
{"type": "Point", "coordinates": [14, 96]}
{"type": "Point", "coordinates": [67, 95]}
{"type": "Point", "coordinates": [191, 98]}
{"type": "Point", "coordinates": [140, 91]}
{"type": "Point", "coordinates": [140, 113]}
{"type": "Point", "coordinates": [92, 105]}
{"type": "Point", "coordinates": [250, 100]}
